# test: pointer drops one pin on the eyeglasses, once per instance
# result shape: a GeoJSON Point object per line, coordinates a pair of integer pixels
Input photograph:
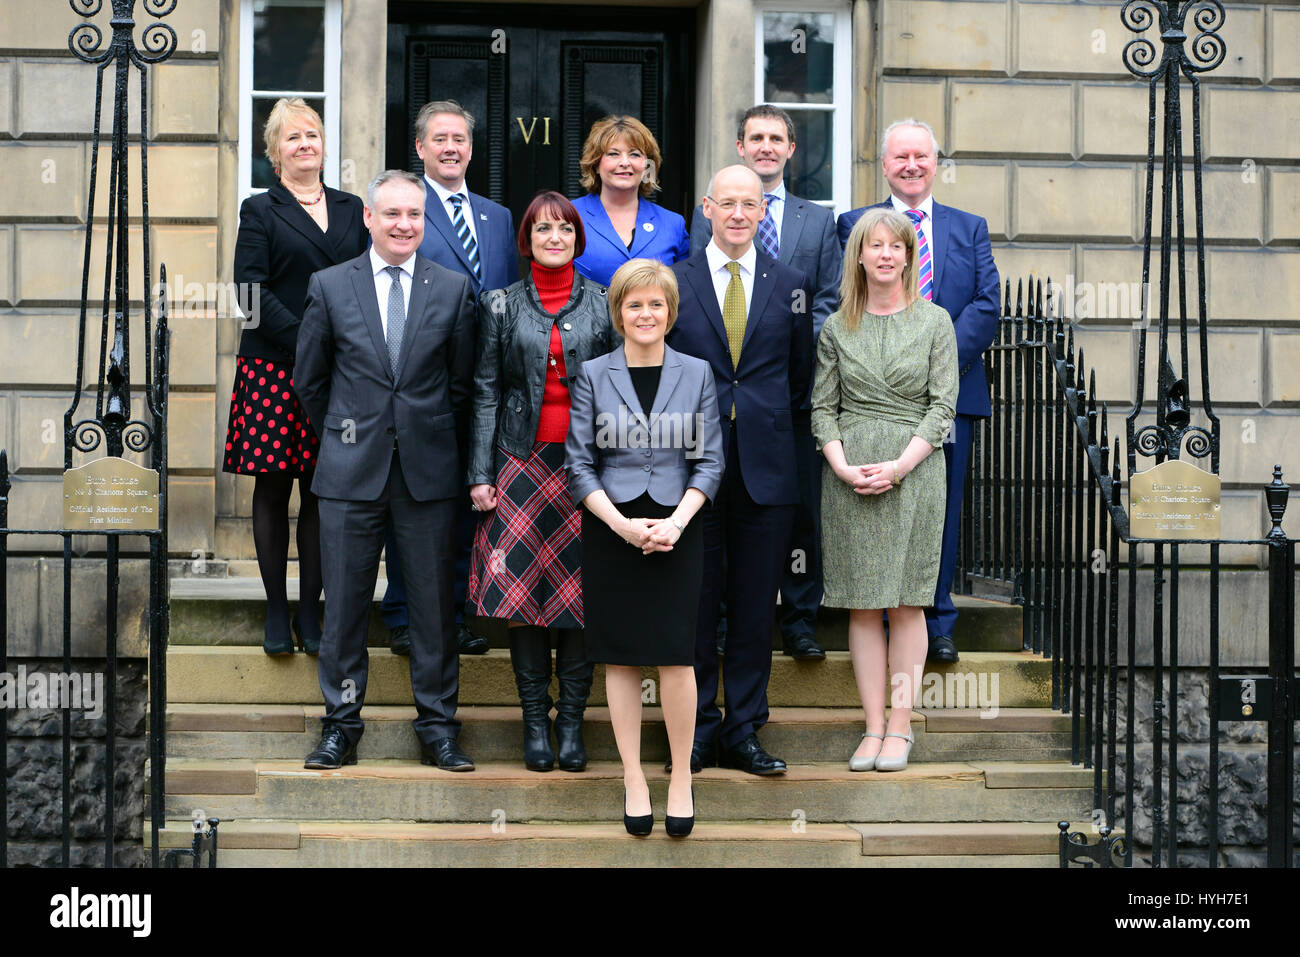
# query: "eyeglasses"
{"type": "Point", "coordinates": [748, 205]}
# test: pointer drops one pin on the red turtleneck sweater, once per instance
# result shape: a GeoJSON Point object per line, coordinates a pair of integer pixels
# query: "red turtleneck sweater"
{"type": "Point", "coordinates": [554, 286]}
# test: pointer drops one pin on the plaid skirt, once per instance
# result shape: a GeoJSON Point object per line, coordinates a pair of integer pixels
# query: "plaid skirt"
{"type": "Point", "coordinates": [526, 565]}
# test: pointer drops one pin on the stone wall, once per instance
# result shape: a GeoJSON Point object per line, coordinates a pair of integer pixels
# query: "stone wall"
{"type": "Point", "coordinates": [1243, 777]}
{"type": "Point", "coordinates": [34, 771]}
{"type": "Point", "coordinates": [47, 101]}
{"type": "Point", "coordinates": [1043, 131]}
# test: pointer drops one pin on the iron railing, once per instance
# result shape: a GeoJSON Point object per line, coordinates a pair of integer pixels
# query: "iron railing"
{"type": "Point", "coordinates": [112, 424]}
{"type": "Point", "coordinates": [1045, 523]}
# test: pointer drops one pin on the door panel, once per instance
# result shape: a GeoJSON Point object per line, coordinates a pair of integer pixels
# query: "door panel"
{"type": "Point", "coordinates": [535, 90]}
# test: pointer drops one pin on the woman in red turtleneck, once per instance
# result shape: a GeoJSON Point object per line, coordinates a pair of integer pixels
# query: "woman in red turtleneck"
{"type": "Point", "coordinates": [526, 565]}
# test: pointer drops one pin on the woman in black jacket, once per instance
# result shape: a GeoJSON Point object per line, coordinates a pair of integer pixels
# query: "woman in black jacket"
{"type": "Point", "coordinates": [295, 228]}
{"type": "Point", "coordinates": [526, 564]}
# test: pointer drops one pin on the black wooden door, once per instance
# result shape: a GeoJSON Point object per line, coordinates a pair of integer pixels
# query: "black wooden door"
{"type": "Point", "coordinates": [535, 81]}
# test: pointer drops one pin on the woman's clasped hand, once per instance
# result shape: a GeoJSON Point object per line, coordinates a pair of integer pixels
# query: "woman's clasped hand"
{"type": "Point", "coordinates": [870, 479]}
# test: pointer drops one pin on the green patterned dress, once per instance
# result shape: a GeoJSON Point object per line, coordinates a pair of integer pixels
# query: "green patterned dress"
{"type": "Point", "coordinates": [878, 385]}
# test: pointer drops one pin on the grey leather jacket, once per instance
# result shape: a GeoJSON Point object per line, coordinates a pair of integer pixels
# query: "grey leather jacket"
{"type": "Point", "coordinates": [514, 337]}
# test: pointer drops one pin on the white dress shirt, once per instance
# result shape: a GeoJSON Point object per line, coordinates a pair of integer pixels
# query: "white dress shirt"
{"type": "Point", "coordinates": [722, 275]}
{"type": "Point", "coordinates": [384, 283]}
{"type": "Point", "coordinates": [927, 224]}
{"type": "Point", "coordinates": [776, 206]}
{"type": "Point", "coordinates": [445, 195]}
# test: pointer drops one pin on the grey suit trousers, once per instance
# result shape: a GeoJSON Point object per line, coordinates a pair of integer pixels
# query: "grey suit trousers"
{"type": "Point", "coordinates": [352, 535]}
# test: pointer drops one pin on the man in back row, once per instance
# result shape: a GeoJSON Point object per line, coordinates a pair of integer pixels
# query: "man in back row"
{"type": "Point", "coordinates": [956, 272]}
{"type": "Point", "coordinates": [800, 234]}
{"type": "Point", "coordinates": [469, 234]}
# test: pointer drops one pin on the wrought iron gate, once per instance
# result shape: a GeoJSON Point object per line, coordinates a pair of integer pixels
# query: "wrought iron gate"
{"type": "Point", "coordinates": [114, 424]}
{"type": "Point", "coordinates": [1044, 520]}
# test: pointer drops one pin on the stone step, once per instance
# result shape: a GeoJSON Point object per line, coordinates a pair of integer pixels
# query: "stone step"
{"type": "Point", "coordinates": [232, 611]}
{"type": "Point", "coordinates": [602, 844]}
{"type": "Point", "coordinates": [495, 733]}
{"type": "Point", "coordinates": [504, 792]}
{"type": "Point", "coordinates": [241, 674]}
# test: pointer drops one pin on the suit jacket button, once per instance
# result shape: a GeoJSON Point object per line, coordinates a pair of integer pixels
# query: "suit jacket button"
{"type": "Point", "coordinates": [573, 352]}
{"type": "Point", "coordinates": [735, 382]}
{"type": "Point", "coordinates": [645, 468]}
{"type": "Point", "coordinates": [390, 431]}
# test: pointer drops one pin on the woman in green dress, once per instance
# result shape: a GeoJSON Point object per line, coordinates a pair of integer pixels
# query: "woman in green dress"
{"type": "Point", "coordinates": [884, 400]}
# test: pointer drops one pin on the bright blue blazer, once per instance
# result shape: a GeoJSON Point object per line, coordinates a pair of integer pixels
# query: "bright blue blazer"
{"type": "Point", "coordinates": [965, 284]}
{"type": "Point", "coordinates": [494, 230]}
{"type": "Point", "coordinates": [660, 234]}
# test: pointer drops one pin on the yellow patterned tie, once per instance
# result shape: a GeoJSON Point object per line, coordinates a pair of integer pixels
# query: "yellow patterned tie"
{"type": "Point", "coordinates": [733, 317]}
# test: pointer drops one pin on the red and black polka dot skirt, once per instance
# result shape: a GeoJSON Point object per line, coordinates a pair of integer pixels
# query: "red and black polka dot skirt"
{"type": "Point", "coordinates": [268, 430]}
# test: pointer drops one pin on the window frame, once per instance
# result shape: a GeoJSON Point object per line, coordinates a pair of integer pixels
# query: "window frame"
{"type": "Point", "coordinates": [333, 37]}
{"type": "Point", "coordinates": [841, 105]}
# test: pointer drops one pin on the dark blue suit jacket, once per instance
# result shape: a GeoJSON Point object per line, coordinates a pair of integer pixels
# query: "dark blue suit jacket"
{"type": "Point", "coordinates": [494, 229]}
{"type": "Point", "coordinates": [660, 234]}
{"type": "Point", "coordinates": [965, 284]}
{"type": "Point", "coordinates": [775, 372]}
{"type": "Point", "coordinates": [808, 244]}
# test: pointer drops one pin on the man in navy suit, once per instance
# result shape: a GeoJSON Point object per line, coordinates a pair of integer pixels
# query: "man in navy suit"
{"type": "Point", "coordinates": [801, 234]}
{"type": "Point", "coordinates": [740, 312]}
{"type": "Point", "coordinates": [964, 281]}
{"type": "Point", "coordinates": [471, 235]}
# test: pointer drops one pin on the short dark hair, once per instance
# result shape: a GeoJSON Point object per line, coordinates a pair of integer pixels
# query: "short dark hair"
{"type": "Point", "coordinates": [766, 112]}
{"type": "Point", "coordinates": [437, 107]}
{"type": "Point", "coordinates": [545, 202]}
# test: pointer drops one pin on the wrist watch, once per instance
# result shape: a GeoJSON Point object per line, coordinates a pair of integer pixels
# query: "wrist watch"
{"type": "Point", "coordinates": [680, 526]}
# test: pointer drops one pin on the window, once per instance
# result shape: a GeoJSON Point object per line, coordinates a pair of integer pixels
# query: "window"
{"type": "Point", "coordinates": [803, 65]}
{"type": "Point", "coordinates": [286, 48]}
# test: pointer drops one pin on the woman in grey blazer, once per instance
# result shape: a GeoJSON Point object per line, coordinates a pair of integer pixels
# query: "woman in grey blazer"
{"type": "Point", "coordinates": [644, 453]}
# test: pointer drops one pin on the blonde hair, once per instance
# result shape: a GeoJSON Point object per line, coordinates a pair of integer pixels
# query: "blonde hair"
{"type": "Point", "coordinates": [602, 136]}
{"type": "Point", "coordinates": [284, 110]}
{"type": "Point", "coordinates": [641, 274]}
{"type": "Point", "coordinates": [853, 284]}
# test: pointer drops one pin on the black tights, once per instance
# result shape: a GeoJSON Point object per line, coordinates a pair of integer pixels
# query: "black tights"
{"type": "Point", "coordinates": [271, 537]}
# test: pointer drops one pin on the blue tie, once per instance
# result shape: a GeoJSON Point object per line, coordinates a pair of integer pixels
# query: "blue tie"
{"type": "Point", "coordinates": [466, 237]}
{"type": "Point", "coordinates": [767, 229]}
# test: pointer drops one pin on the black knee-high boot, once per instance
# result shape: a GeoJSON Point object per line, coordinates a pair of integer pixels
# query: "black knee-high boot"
{"type": "Point", "coordinates": [530, 653]}
{"type": "Point", "coordinates": [574, 672]}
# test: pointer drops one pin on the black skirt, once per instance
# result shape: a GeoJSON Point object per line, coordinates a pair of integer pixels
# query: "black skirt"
{"type": "Point", "coordinates": [640, 610]}
{"type": "Point", "coordinates": [268, 429]}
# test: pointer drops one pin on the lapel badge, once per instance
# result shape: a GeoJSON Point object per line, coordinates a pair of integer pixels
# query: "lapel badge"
{"type": "Point", "coordinates": [483, 216]}
{"type": "Point", "coordinates": [649, 227]}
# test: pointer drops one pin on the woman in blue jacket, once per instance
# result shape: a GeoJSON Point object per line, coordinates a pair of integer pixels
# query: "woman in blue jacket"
{"type": "Point", "coordinates": [619, 164]}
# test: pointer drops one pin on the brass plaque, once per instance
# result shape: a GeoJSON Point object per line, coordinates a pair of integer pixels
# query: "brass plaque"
{"type": "Point", "coordinates": [1174, 500]}
{"type": "Point", "coordinates": [110, 493]}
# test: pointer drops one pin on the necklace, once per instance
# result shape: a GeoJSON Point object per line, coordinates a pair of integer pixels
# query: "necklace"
{"type": "Point", "coordinates": [307, 202]}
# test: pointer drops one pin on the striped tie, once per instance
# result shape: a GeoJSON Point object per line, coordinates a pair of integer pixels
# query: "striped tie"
{"type": "Point", "coordinates": [466, 237]}
{"type": "Point", "coordinates": [925, 274]}
{"type": "Point", "coordinates": [767, 229]}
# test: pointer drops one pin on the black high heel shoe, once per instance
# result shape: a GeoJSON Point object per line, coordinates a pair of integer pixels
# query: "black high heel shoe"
{"type": "Point", "coordinates": [681, 826]}
{"type": "Point", "coordinates": [637, 826]}
{"type": "Point", "coordinates": [310, 643]}
{"type": "Point", "coordinates": [275, 642]}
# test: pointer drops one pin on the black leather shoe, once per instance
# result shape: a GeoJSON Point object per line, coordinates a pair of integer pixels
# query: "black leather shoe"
{"type": "Point", "coordinates": [750, 757]}
{"type": "Point", "coordinates": [703, 755]}
{"type": "Point", "coordinates": [444, 753]}
{"type": "Point", "coordinates": [470, 643]}
{"type": "Point", "coordinates": [942, 649]}
{"type": "Point", "coordinates": [803, 648]}
{"type": "Point", "coordinates": [333, 751]}
{"type": "Point", "coordinates": [399, 640]}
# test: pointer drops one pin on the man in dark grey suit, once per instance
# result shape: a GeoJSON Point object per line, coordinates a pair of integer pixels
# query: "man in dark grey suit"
{"type": "Point", "coordinates": [385, 365]}
{"type": "Point", "coordinates": [801, 234]}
